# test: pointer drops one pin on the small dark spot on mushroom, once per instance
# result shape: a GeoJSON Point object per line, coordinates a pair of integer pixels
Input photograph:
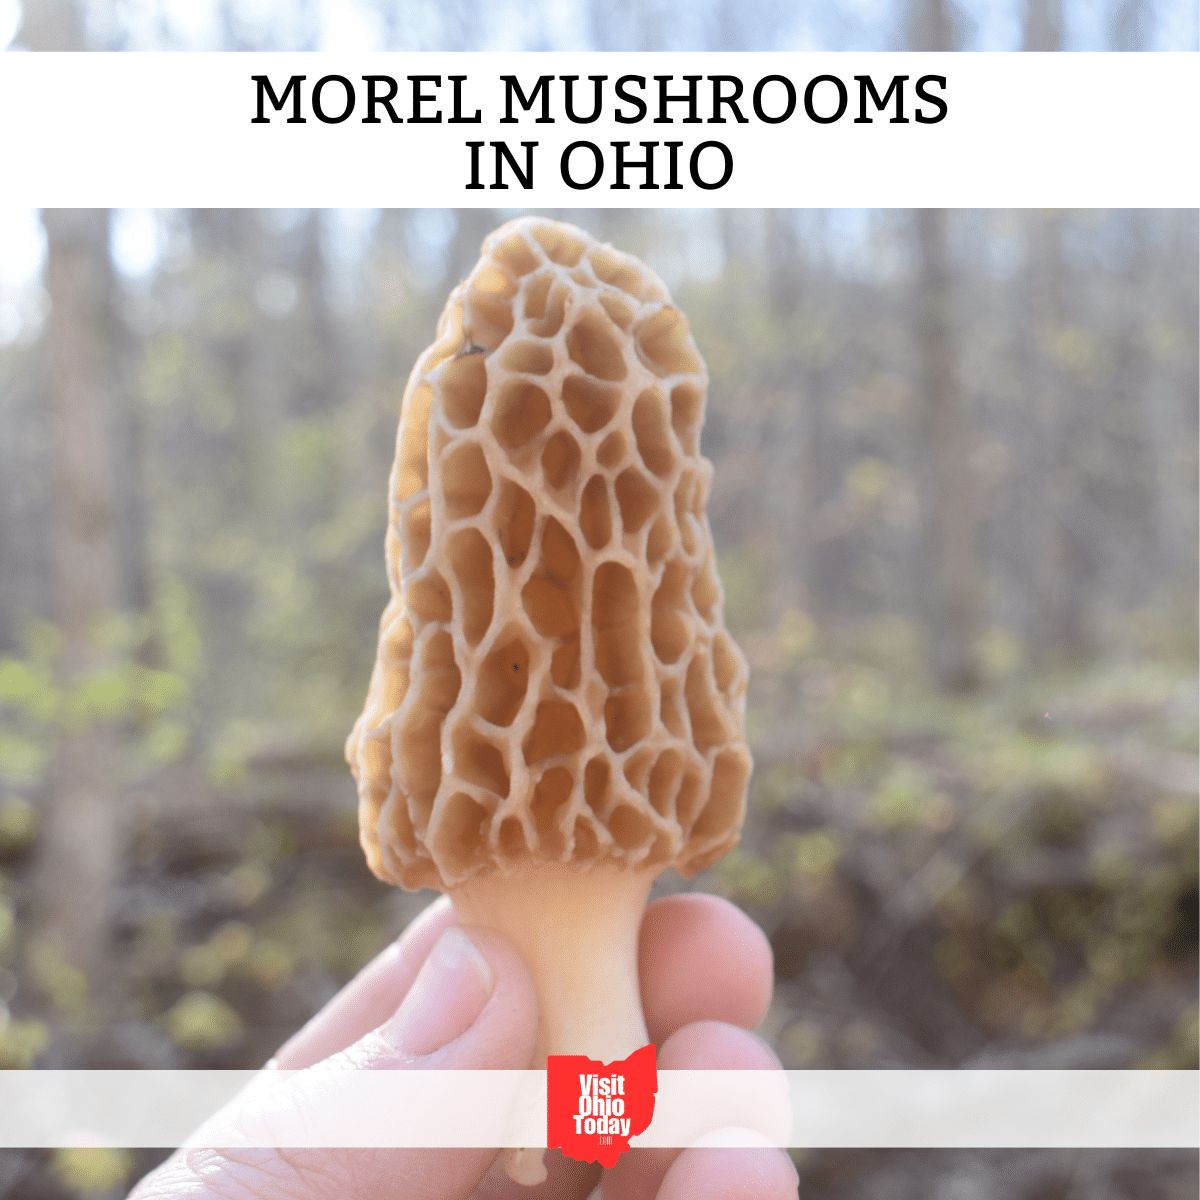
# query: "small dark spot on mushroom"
{"type": "Point", "coordinates": [471, 347]}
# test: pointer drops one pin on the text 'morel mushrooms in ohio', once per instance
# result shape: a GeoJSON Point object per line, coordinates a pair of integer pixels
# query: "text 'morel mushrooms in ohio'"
{"type": "Point", "coordinates": [556, 710]}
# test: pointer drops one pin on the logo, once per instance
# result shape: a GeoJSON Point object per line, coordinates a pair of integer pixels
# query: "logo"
{"type": "Point", "coordinates": [594, 1108]}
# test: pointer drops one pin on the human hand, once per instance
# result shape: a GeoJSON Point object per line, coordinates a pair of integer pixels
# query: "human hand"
{"type": "Point", "coordinates": [448, 998]}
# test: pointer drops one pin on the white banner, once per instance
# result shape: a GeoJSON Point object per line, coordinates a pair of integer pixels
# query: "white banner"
{"type": "Point", "coordinates": [896, 1109]}
{"type": "Point", "coordinates": [599, 130]}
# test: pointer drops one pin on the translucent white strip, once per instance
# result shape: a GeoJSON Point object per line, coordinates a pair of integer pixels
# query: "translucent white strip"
{"type": "Point", "coordinates": [916, 1109]}
{"type": "Point", "coordinates": [892, 1109]}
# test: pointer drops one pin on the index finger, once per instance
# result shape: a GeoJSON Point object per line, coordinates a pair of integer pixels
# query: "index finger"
{"type": "Point", "coordinates": [701, 958]}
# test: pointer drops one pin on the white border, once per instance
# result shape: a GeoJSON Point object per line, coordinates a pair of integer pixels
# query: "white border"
{"type": "Point", "coordinates": [174, 130]}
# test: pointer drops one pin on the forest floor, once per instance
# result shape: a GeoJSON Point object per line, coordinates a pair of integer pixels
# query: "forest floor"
{"type": "Point", "coordinates": [1005, 880]}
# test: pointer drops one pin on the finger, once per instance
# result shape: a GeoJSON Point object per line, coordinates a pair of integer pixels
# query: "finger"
{"type": "Point", "coordinates": [742, 1174]}
{"type": "Point", "coordinates": [716, 1046]}
{"type": "Point", "coordinates": [701, 958]}
{"type": "Point", "coordinates": [472, 1006]}
{"type": "Point", "coordinates": [371, 996]}
{"type": "Point", "coordinates": [704, 1046]}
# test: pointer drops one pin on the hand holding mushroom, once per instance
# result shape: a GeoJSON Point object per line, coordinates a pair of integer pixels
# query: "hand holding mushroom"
{"type": "Point", "coordinates": [450, 1000]}
{"type": "Point", "coordinates": [555, 714]}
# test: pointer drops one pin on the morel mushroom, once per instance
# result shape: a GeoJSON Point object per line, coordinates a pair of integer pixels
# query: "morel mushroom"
{"type": "Point", "coordinates": [556, 710]}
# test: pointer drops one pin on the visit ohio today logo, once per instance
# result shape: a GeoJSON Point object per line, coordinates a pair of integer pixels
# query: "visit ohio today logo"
{"type": "Point", "coordinates": [594, 1108]}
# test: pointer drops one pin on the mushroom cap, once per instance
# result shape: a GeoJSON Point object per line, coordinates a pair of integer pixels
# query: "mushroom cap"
{"type": "Point", "coordinates": [554, 681]}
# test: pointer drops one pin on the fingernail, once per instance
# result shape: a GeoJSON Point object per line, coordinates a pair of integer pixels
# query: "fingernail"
{"type": "Point", "coordinates": [445, 999]}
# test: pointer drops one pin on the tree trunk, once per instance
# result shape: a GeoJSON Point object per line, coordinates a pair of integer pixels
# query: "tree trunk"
{"type": "Point", "coordinates": [79, 847]}
{"type": "Point", "coordinates": [1043, 26]}
{"type": "Point", "coordinates": [934, 25]}
{"type": "Point", "coordinates": [319, 388]}
{"type": "Point", "coordinates": [948, 509]}
{"type": "Point", "coordinates": [1057, 569]}
{"type": "Point", "coordinates": [788, 501]}
{"type": "Point", "coordinates": [51, 25]}
{"type": "Point", "coordinates": [1131, 25]}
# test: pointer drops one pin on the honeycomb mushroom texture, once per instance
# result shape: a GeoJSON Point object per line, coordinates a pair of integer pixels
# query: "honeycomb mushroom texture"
{"type": "Point", "coordinates": [554, 681]}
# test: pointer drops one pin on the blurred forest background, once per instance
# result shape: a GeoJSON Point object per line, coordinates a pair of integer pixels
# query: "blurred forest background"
{"type": "Point", "coordinates": [956, 513]}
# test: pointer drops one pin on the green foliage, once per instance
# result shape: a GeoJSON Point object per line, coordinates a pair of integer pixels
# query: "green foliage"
{"type": "Point", "coordinates": [795, 635]}
{"type": "Point", "coordinates": [65, 985]}
{"type": "Point", "coordinates": [25, 685]}
{"type": "Point", "coordinates": [92, 1170]}
{"type": "Point", "coordinates": [867, 479]}
{"type": "Point", "coordinates": [906, 798]}
{"type": "Point", "coordinates": [1182, 1051]}
{"type": "Point", "coordinates": [854, 762]}
{"type": "Point", "coordinates": [230, 752]}
{"type": "Point", "coordinates": [860, 700]}
{"type": "Point", "coordinates": [177, 633]}
{"type": "Point", "coordinates": [999, 654]}
{"type": "Point", "coordinates": [771, 787]}
{"type": "Point", "coordinates": [8, 929]}
{"type": "Point", "coordinates": [747, 880]}
{"type": "Point", "coordinates": [248, 882]}
{"type": "Point", "coordinates": [202, 1021]}
{"type": "Point", "coordinates": [235, 951]}
{"type": "Point", "coordinates": [206, 965]}
{"type": "Point", "coordinates": [271, 964]}
{"type": "Point", "coordinates": [743, 578]}
{"type": "Point", "coordinates": [1049, 881]}
{"type": "Point", "coordinates": [324, 930]}
{"type": "Point", "coordinates": [23, 759]}
{"type": "Point", "coordinates": [811, 854]}
{"type": "Point", "coordinates": [42, 702]}
{"type": "Point", "coordinates": [801, 1044]}
{"type": "Point", "coordinates": [1005, 760]}
{"type": "Point", "coordinates": [21, 1042]}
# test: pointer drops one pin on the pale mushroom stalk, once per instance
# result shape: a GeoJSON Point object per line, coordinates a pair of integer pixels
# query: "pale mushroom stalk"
{"type": "Point", "coordinates": [578, 933]}
{"type": "Point", "coordinates": [556, 711]}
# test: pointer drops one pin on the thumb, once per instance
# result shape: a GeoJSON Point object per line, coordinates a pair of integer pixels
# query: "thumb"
{"type": "Point", "coordinates": [471, 1007]}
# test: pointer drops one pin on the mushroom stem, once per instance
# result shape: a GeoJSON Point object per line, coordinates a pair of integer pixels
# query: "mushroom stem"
{"type": "Point", "coordinates": [576, 927]}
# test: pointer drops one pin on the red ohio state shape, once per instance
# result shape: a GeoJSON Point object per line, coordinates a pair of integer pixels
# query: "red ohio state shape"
{"type": "Point", "coordinates": [615, 1101]}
